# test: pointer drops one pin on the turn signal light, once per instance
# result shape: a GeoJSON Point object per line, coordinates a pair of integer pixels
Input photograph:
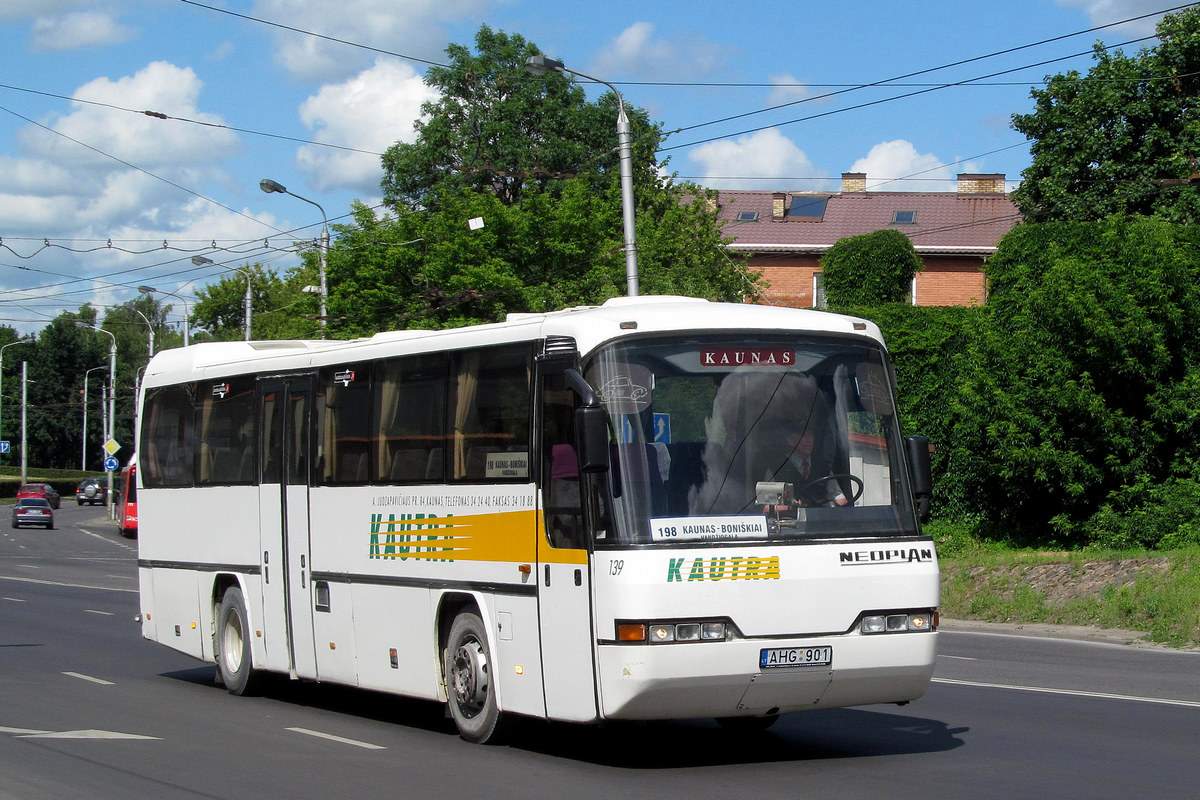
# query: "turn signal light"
{"type": "Point", "coordinates": [898, 622]}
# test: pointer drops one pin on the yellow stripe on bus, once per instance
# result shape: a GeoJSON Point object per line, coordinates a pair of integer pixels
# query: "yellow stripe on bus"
{"type": "Point", "coordinates": [510, 536]}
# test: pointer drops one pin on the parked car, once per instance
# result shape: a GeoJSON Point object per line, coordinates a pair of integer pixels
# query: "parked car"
{"type": "Point", "coordinates": [91, 491]}
{"type": "Point", "coordinates": [32, 511]}
{"type": "Point", "coordinates": [42, 490]}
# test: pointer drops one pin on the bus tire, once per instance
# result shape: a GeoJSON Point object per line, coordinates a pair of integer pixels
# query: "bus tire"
{"type": "Point", "coordinates": [231, 643]}
{"type": "Point", "coordinates": [470, 680]}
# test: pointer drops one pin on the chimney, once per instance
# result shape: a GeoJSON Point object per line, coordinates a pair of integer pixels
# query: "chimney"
{"type": "Point", "coordinates": [854, 182]}
{"type": "Point", "coordinates": [971, 183]}
{"type": "Point", "coordinates": [778, 205]}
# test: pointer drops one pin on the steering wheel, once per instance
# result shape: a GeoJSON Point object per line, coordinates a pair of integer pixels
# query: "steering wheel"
{"type": "Point", "coordinates": [855, 481]}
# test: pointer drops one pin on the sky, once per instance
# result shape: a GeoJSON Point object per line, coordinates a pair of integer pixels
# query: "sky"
{"type": "Point", "coordinates": [98, 198]}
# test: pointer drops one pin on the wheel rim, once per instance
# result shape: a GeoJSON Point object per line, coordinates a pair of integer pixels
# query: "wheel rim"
{"type": "Point", "coordinates": [231, 644]}
{"type": "Point", "coordinates": [469, 677]}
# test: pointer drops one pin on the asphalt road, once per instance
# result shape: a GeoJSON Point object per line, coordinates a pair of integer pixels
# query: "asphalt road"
{"type": "Point", "coordinates": [89, 709]}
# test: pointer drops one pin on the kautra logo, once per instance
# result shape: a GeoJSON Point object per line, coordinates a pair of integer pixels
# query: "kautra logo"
{"type": "Point", "coordinates": [405, 536]}
{"type": "Point", "coordinates": [723, 568]}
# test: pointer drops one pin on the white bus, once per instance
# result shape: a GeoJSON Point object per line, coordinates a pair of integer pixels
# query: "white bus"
{"type": "Point", "coordinates": [657, 508]}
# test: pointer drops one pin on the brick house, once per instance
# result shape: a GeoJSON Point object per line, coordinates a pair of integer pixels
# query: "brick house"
{"type": "Point", "coordinates": [786, 233]}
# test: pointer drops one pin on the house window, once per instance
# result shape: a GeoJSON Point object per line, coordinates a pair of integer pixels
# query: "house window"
{"type": "Point", "coordinates": [747, 216]}
{"type": "Point", "coordinates": [809, 209]}
{"type": "Point", "coordinates": [904, 217]}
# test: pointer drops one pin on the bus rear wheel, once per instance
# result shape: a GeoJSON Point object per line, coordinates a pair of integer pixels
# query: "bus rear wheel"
{"type": "Point", "coordinates": [470, 683]}
{"type": "Point", "coordinates": [231, 643]}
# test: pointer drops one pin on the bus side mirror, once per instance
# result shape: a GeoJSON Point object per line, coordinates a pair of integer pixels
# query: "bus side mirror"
{"type": "Point", "coordinates": [591, 434]}
{"type": "Point", "coordinates": [920, 473]}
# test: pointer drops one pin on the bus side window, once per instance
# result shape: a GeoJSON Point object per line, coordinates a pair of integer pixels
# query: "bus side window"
{"type": "Point", "coordinates": [560, 466]}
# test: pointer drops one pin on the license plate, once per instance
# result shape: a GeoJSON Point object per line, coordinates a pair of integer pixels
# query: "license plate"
{"type": "Point", "coordinates": [779, 657]}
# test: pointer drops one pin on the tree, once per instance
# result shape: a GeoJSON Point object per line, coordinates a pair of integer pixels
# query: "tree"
{"type": "Point", "coordinates": [499, 129]}
{"type": "Point", "coordinates": [280, 308]}
{"type": "Point", "coordinates": [537, 164]}
{"type": "Point", "coordinates": [871, 269]}
{"type": "Point", "coordinates": [1125, 138]}
{"type": "Point", "coordinates": [1084, 378]}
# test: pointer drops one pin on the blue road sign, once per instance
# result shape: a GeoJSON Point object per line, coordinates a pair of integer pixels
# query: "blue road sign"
{"type": "Point", "coordinates": [111, 464]}
{"type": "Point", "coordinates": [5, 446]}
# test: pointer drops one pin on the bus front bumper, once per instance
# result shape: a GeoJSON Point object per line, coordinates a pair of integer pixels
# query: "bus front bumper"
{"type": "Point", "coordinates": [723, 679]}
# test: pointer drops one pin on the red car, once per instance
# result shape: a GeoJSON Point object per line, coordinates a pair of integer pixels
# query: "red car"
{"type": "Point", "coordinates": [42, 490]}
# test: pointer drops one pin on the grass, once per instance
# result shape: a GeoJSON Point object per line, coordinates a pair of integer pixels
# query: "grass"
{"type": "Point", "coordinates": [1154, 592]}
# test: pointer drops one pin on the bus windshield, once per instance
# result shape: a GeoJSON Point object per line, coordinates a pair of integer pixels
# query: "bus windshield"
{"type": "Point", "coordinates": [749, 437]}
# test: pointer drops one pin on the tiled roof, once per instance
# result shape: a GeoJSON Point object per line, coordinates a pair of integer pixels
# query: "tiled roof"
{"type": "Point", "coordinates": [949, 222]}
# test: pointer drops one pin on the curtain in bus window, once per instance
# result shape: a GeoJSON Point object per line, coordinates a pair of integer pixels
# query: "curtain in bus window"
{"type": "Point", "coordinates": [272, 445]}
{"type": "Point", "coordinates": [346, 435]}
{"type": "Point", "coordinates": [491, 414]}
{"type": "Point", "coordinates": [468, 384]}
{"type": "Point", "coordinates": [226, 416]}
{"type": "Point", "coordinates": [168, 437]}
{"type": "Point", "coordinates": [408, 430]}
{"type": "Point", "coordinates": [297, 473]}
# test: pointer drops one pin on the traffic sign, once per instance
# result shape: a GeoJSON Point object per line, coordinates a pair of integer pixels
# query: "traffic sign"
{"type": "Point", "coordinates": [111, 464]}
{"type": "Point", "coordinates": [5, 446]}
{"type": "Point", "coordinates": [111, 447]}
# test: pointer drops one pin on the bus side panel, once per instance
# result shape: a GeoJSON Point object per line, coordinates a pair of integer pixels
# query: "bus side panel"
{"type": "Point", "coordinates": [333, 632]}
{"type": "Point", "coordinates": [399, 618]}
{"type": "Point", "coordinates": [186, 537]}
{"type": "Point", "coordinates": [172, 612]}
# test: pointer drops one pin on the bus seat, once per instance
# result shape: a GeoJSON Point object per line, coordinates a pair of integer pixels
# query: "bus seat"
{"type": "Point", "coordinates": [409, 464]}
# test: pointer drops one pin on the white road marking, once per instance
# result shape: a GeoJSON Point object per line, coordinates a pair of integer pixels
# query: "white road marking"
{"type": "Point", "coordinates": [1073, 692]}
{"type": "Point", "coordinates": [332, 738]}
{"type": "Point", "coordinates": [90, 733]}
{"type": "Point", "coordinates": [68, 585]}
{"type": "Point", "coordinates": [14, 600]}
{"type": "Point", "coordinates": [93, 611]}
{"type": "Point", "coordinates": [83, 677]}
{"type": "Point", "coordinates": [957, 658]}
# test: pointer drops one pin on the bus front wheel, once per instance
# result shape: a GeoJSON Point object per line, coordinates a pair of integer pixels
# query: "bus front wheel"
{"type": "Point", "coordinates": [231, 643]}
{"type": "Point", "coordinates": [470, 682]}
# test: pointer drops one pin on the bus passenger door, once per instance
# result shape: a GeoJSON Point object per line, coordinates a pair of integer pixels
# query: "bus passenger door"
{"type": "Point", "coordinates": [285, 410]}
{"type": "Point", "coordinates": [564, 576]}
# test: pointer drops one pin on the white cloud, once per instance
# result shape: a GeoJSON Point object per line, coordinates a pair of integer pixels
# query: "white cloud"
{"type": "Point", "coordinates": [110, 134]}
{"type": "Point", "coordinates": [636, 51]}
{"type": "Point", "coordinates": [407, 27]}
{"type": "Point", "coordinates": [787, 90]}
{"type": "Point", "coordinates": [86, 171]}
{"type": "Point", "coordinates": [734, 164]}
{"type": "Point", "coordinates": [79, 29]}
{"type": "Point", "coordinates": [887, 161]}
{"type": "Point", "coordinates": [1103, 12]}
{"type": "Point", "coordinates": [371, 111]}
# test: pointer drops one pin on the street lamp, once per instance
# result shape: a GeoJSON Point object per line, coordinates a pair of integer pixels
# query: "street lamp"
{"type": "Point", "coordinates": [83, 451]}
{"type": "Point", "coordinates": [201, 261]}
{"type": "Point", "coordinates": [2, 349]}
{"type": "Point", "coordinates": [187, 317]}
{"type": "Point", "coordinates": [112, 393]}
{"type": "Point", "coordinates": [540, 65]}
{"type": "Point", "coordinates": [150, 338]}
{"type": "Point", "coordinates": [269, 186]}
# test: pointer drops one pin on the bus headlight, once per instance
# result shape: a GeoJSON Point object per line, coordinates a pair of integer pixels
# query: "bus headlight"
{"type": "Point", "coordinates": [898, 622]}
{"type": "Point", "coordinates": [668, 632]}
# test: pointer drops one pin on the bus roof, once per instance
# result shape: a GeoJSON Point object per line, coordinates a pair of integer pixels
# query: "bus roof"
{"type": "Point", "coordinates": [589, 326]}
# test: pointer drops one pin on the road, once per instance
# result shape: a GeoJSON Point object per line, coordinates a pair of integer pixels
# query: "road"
{"type": "Point", "coordinates": [89, 709]}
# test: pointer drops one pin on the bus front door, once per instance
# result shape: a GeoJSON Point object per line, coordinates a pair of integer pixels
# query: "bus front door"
{"type": "Point", "coordinates": [285, 410]}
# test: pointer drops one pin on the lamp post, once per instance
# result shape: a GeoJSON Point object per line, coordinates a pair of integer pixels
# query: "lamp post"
{"type": "Point", "coordinates": [150, 338]}
{"type": "Point", "coordinates": [187, 317]}
{"type": "Point", "coordinates": [540, 65]}
{"type": "Point", "coordinates": [201, 261]}
{"type": "Point", "coordinates": [269, 186]}
{"type": "Point", "coordinates": [2, 349]}
{"type": "Point", "coordinates": [112, 393]}
{"type": "Point", "coordinates": [83, 450]}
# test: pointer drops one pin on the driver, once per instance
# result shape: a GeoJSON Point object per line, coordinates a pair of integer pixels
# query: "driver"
{"type": "Point", "coordinates": [805, 469]}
